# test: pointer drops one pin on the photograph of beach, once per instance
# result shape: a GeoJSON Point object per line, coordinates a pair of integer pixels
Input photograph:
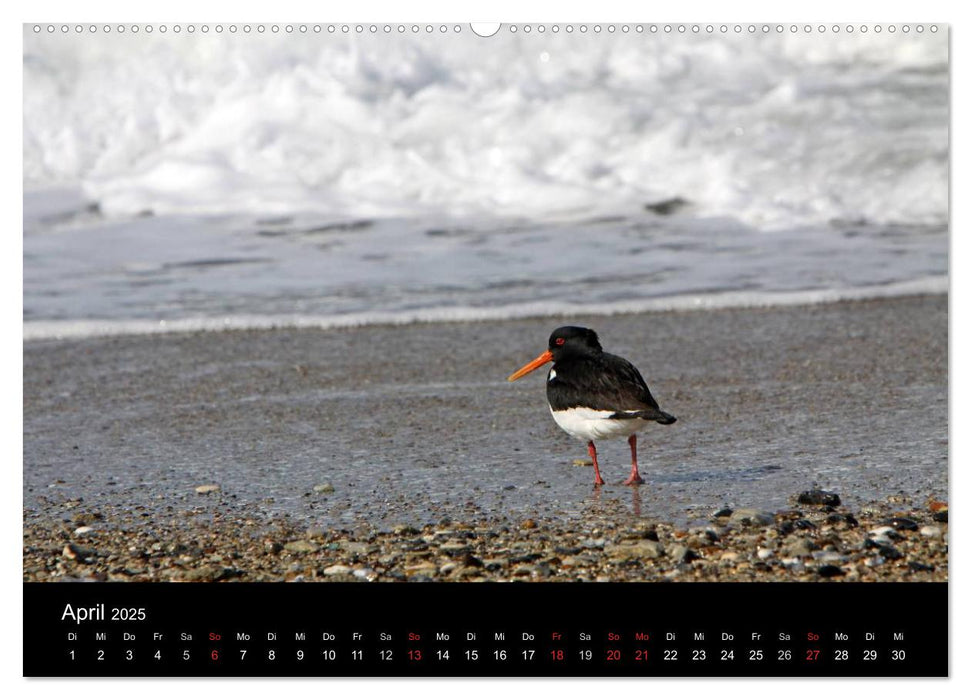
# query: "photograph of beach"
{"type": "Point", "coordinates": [275, 283]}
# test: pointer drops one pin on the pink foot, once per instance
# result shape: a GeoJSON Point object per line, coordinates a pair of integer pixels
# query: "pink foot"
{"type": "Point", "coordinates": [633, 480]}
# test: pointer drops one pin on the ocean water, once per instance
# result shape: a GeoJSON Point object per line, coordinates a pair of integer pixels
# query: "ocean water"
{"type": "Point", "coordinates": [207, 181]}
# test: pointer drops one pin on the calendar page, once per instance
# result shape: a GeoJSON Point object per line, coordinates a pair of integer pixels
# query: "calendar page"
{"type": "Point", "coordinates": [451, 349]}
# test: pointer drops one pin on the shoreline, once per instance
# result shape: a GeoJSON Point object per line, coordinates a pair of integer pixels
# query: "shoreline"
{"type": "Point", "coordinates": [35, 331]}
{"type": "Point", "coordinates": [363, 430]}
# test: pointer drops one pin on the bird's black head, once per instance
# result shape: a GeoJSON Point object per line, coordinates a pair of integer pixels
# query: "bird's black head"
{"type": "Point", "coordinates": [573, 340]}
{"type": "Point", "coordinates": [568, 341]}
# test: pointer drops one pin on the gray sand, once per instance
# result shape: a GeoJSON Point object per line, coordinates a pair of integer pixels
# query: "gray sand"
{"type": "Point", "coordinates": [401, 453]}
{"type": "Point", "coordinates": [412, 424]}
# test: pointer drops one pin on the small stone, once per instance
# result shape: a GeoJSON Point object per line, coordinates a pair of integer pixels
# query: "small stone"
{"type": "Point", "coordinates": [890, 553]}
{"type": "Point", "coordinates": [680, 553]}
{"type": "Point", "coordinates": [646, 549]}
{"type": "Point", "coordinates": [937, 506]}
{"type": "Point", "coordinates": [471, 561]}
{"type": "Point", "coordinates": [764, 553]}
{"type": "Point", "coordinates": [918, 566]}
{"type": "Point", "coordinates": [199, 573]}
{"type": "Point", "coordinates": [802, 547]}
{"type": "Point", "coordinates": [836, 518]}
{"type": "Point", "coordinates": [750, 516]}
{"type": "Point", "coordinates": [899, 523]}
{"type": "Point", "coordinates": [364, 573]}
{"type": "Point", "coordinates": [723, 513]}
{"type": "Point", "coordinates": [207, 488]}
{"type": "Point", "coordinates": [300, 547]}
{"type": "Point", "coordinates": [817, 497]}
{"type": "Point", "coordinates": [940, 517]}
{"type": "Point", "coordinates": [729, 556]}
{"type": "Point", "coordinates": [829, 557]}
{"type": "Point", "coordinates": [887, 532]}
{"type": "Point", "coordinates": [423, 569]}
{"type": "Point", "coordinates": [528, 524]}
{"type": "Point", "coordinates": [83, 530]}
{"type": "Point", "coordinates": [337, 570]}
{"type": "Point", "coordinates": [454, 547]}
{"type": "Point", "coordinates": [828, 571]}
{"type": "Point", "coordinates": [926, 531]}
{"type": "Point", "coordinates": [324, 488]}
{"type": "Point", "coordinates": [74, 551]}
{"type": "Point", "coordinates": [583, 463]}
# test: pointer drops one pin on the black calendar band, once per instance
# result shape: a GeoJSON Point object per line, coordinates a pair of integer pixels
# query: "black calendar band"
{"type": "Point", "coordinates": [443, 629]}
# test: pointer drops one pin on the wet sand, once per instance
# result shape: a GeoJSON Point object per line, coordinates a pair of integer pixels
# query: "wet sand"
{"type": "Point", "coordinates": [372, 429]}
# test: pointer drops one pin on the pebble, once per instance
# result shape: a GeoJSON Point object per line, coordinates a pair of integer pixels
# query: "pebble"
{"type": "Point", "coordinates": [583, 463]}
{"type": "Point", "coordinates": [207, 488]}
{"type": "Point", "coordinates": [83, 530]}
{"type": "Point", "coordinates": [764, 553]}
{"type": "Point", "coordinates": [74, 551]}
{"type": "Point", "coordinates": [801, 547]}
{"type": "Point", "coordinates": [890, 553]}
{"type": "Point", "coordinates": [647, 549]}
{"type": "Point", "coordinates": [680, 553]}
{"type": "Point", "coordinates": [829, 557]}
{"type": "Point", "coordinates": [817, 497]}
{"type": "Point", "coordinates": [886, 531]}
{"type": "Point", "coordinates": [423, 569]}
{"type": "Point", "coordinates": [829, 571]}
{"type": "Point", "coordinates": [927, 531]}
{"type": "Point", "coordinates": [337, 570]}
{"type": "Point", "coordinates": [750, 516]}
{"type": "Point", "coordinates": [899, 523]}
{"type": "Point", "coordinates": [359, 548]}
{"type": "Point", "coordinates": [324, 488]}
{"type": "Point", "coordinates": [300, 547]}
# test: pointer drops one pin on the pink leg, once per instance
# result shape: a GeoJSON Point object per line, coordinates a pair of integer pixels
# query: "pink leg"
{"type": "Point", "coordinates": [597, 480]}
{"type": "Point", "coordinates": [634, 477]}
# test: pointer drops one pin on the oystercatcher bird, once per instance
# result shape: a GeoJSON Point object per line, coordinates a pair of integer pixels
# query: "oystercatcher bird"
{"type": "Point", "coordinates": [594, 395]}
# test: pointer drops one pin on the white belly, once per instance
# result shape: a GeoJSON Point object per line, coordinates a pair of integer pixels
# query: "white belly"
{"type": "Point", "coordinates": [588, 424]}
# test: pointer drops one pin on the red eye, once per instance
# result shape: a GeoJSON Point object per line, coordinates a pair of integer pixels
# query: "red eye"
{"type": "Point", "coordinates": [560, 341]}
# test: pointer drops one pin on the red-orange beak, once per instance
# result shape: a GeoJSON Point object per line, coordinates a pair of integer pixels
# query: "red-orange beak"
{"type": "Point", "coordinates": [526, 369]}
